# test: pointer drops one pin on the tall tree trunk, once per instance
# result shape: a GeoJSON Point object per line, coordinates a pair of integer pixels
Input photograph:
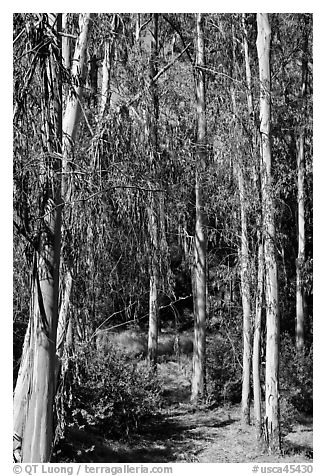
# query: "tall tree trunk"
{"type": "Point", "coordinates": [199, 353]}
{"type": "Point", "coordinates": [153, 209]}
{"type": "Point", "coordinates": [70, 126]}
{"type": "Point", "coordinates": [272, 426]}
{"type": "Point", "coordinates": [260, 253]}
{"type": "Point", "coordinates": [300, 293]}
{"type": "Point", "coordinates": [39, 366]}
{"type": "Point", "coordinates": [38, 426]}
{"type": "Point", "coordinates": [244, 263]}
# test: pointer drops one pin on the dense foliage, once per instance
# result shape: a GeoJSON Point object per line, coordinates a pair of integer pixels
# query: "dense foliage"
{"type": "Point", "coordinates": [116, 175]}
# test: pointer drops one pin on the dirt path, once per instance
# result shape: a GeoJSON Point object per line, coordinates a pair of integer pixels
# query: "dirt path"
{"type": "Point", "coordinates": [183, 433]}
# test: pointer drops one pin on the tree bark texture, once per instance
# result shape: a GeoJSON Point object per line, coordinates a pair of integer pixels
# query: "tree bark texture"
{"type": "Point", "coordinates": [246, 302]}
{"type": "Point", "coordinates": [272, 426]}
{"type": "Point", "coordinates": [73, 101]}
{"type": "Point", "coordinates": [300, 293]}
{"type": "Point", "coordinates": [106, 70]}
{"type": "Point", "coordinates": [257, 342]}
{"type": "Point", "coordinates": [36, 383]}
{"type": "Point", "coordinates": [260, 246]}
{"type": "Point", "coordinates": [153, 208]}
{"type": "Point", "coordinates": [244, 260]}
{"type": "Point", "coordinates": [199, 352]}
{"type": "Point", "coordinates": [38, 426]}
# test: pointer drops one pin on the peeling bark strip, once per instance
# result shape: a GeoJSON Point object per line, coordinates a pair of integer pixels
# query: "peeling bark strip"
{"type": "Point", "coordinates": [198, 380]}
{"type": "Point", "coordinates": [272, 427]}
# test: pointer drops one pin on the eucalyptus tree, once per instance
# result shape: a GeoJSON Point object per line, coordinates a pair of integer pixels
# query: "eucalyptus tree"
{"type": "Point", "coordinates": [33, 417]}
{"type": "Point", "coordinates": [35, 388]}
{"type": "Point", "coordinates": [301, 200]}
{"type": "Point", "coordinates": [198, 378]}
{"type": "Point", "coordinates": [256, 304]}
{"type": "Point", "coordinates": [272, 424]}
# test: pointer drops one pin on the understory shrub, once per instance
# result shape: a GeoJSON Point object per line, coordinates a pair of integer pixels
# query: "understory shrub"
{"type": "Point", "coordinates": [111, 392]}
{"type": "Point", "coordinates": [296, 380]}
{"type": "Point", "coordinates": [223, 369]}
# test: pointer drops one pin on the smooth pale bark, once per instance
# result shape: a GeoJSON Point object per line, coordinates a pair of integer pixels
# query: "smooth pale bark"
{"type": "Point", "coordinates": [247, 65]}
{"type": "Point", "coordinates": [244, 266]}
{"type": "Point", "coordinates": [109, 47]}
{"type": "Point", "coordinates": [260, 253]}
{"type": "Point", "coordinates": [64, 308]}
{"type": "Point", "coordinates": [70, 126]}
{"type": "Point", "coordinates": [246, 304]}
{"type": "Point", "coordinates": [300, 293]}
{"type": "Point", "coordinates": [37, 431]}
{"type": "Point", "coordinates": [36, 383]}
{"type": "Point", "coordinates": [198, 389]}
{"type": "Point", "coordinates": [257, 343]}
{"type": "Point", "coordinates": [105, 86]}
{"type": "Point", "coordinates": [300, 298]}
{"type": "Point", "coordinates": [153, 208]}
{"type": "Point", "coordinates": [138, 25]}
{"type": "Point", "coordinates": [66, 42]}
{"type": "Point", "coordinates": [21, 394]}
{"type": "Point", "coordinates": [72, 111]}
{"type": "Point", "coordinates": [272, 425]}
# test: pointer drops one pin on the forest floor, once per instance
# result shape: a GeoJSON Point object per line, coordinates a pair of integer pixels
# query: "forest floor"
{"type": "Point", "coordinates": [183, 433]}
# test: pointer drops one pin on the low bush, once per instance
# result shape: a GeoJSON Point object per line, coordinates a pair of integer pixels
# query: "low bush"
{"type": "Point", "coordinates": [111, 392]}
{"type": "Point", "coordinates": [223, 369]}
{"type": "Point", "coordinates": [296, 380]}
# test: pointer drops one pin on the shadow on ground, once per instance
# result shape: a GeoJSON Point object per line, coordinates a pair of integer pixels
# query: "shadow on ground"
{"type": "Point", "coordinates": [174, 437]}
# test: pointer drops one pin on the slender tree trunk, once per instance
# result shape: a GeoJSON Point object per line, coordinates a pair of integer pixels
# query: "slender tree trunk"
{"type": "Point", "coordinates": [257, 342]}
{"type": "Point", "coordinates": [64, 308]}
{"type": "Point", "coordinates": [260, 247]}
{"type": "Point", "coordinates": [106, 70]}
{"type": "Point", "coordinates": [244, 266]}
{"type": "Point", "coordinates": [199, 353]}
{"type": "Point", "coordinates": [272, 426]}
{"type": "Point", "coordinates": [153, 209]}
{"type": "Point", "coordinates": [66, 42]}
{"type": "Point", "coordinates": [153, 286]}
{"type": "Point", "coordinates": [70, 126]}
{"type": "Point", "coordinates": [246, 304]}
{"type": "Point", "coordinates": [72, 111]}
{"type": "Point", "coordinates": [37, 430]}
{"type": "Point", "coordinates": [300, 297]}
{"type": "Point", "coordinates": [137, 27]}
{"type": "Point", "coordinates": [300, 293]}
{"type": "Point", "coordinates": [248, 69]}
